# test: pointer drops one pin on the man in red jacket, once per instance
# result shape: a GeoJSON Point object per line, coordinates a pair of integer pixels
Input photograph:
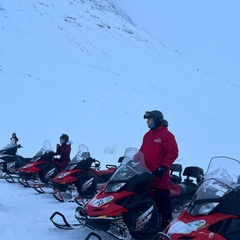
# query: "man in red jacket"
{"type": "Point", "coordinates": [160, 150]}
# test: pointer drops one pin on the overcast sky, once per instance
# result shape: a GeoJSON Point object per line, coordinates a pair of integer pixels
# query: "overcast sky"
{"type": "Point", "coordinates": [207, 32]}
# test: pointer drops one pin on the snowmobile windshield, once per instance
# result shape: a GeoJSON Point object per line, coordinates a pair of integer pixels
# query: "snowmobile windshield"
{"type": "Point", "coordinates": [221, 180]}
{"type": "Point", "coordinates": [45, 149]}
{"type": "Point", "coordinates": [82, 155]}
{"type": "Point", "coordinates": [224, 169]}
{"type": "Point", "coordinates": [9, 149]}
{"type": "Point", "coordinates": [132, 164]}
{"type": "Point", "coordinates": [10, 145]}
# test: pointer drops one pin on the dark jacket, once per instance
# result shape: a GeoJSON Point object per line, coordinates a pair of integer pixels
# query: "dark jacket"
{"type": "Point", "coordinates": [159, 148]}
{"type": "Point", "coordinates": [64, 152]}
{"type": "Point", "coordinates": [14, 140]}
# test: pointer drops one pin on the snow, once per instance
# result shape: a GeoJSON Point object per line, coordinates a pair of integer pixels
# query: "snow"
{"type": "Point", "coordinates": [83, 68]}
{"type": "Point", "coordinates": [25, 215]}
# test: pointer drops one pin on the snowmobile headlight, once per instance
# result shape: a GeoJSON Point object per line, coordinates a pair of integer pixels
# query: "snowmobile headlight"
{"type": "Point", "coordinates": [113, 187]}
{"type": "Point", "coordinates": [28, 165]}
{"type": "Point", "coordinates": [203, 209]}
{"type": "Point", "coordinates": [180, 227]}
{"type": "Point", "coordinates": [64, 174]}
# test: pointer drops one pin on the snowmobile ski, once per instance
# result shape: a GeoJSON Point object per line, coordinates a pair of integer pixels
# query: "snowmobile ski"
{"type": "Point", "coordinates": [162, 236]}
{"type": "Point", "coordinates": [65, 225]}
{"type": "Point", "coordinates": [10, 178]}
{"type": "Point", "coordinates": [30, 183]}
{"type": "Point", "coordinates": [63, 196]}
{"type": "Point", "coordinates": [93, 234]}
{"type": "Point", "coordinates": [43, 188]}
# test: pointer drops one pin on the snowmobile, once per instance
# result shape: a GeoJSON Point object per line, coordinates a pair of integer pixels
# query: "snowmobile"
{"type": "Point", "coordinates": [41, 169]}
{"type": "Point", "coordinates": [10, 162]}
{"type": "Point", "coordinates": [214, 212]}
{"type": "Point", "coordinates": [81, 178]}
{"type": "Point", "coordinates": [123, 206]}
{"type": "Point", "coordinates": [182, 191]}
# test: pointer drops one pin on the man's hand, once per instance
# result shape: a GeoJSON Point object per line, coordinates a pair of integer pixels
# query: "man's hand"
{"type": "Point", "coordinates": [160, 171]}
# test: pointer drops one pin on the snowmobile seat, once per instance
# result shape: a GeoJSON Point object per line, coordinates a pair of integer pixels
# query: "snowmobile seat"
{"type": "Point", "coordinates": [194, 172]}
{"type": "Point", "coordinates": [176, 173]}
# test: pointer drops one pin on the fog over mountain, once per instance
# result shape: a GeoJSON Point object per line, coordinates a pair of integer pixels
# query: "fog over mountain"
{"type": "Point", "coordinates": [83, 68]}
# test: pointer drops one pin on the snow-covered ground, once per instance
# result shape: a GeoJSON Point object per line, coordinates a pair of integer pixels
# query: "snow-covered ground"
{"type": "Point", "coordinates": [25, 215]}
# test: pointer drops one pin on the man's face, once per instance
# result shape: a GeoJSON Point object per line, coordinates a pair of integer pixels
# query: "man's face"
{"type": "Point", "coordinates": [149, 121]}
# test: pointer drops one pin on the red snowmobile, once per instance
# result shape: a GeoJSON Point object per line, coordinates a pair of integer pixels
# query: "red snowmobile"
{"type": "Point", "coordinates": [41, 169]}
{"type": "Point", "coordinates": [123, 206]}
{"type": "Point", "coordinates": [214, 212]}
{"type": "Point", "coordinates": [81, 178]}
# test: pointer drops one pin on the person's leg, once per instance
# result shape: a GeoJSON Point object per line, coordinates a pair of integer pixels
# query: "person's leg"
{"type": "Point", "coordinates": [165, 207]}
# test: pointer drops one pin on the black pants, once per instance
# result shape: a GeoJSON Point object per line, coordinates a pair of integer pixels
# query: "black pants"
{"type": "Point", "coordinates": [164, 204]}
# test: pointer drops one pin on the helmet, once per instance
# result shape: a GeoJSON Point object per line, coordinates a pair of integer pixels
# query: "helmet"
{"type": "Point", "coordinates": [156, 115]}
{"type": "Point", "coordinates": [64, 138]}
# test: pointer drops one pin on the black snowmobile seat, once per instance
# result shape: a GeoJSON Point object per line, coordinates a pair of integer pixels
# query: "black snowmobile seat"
{"type": "Point", "coordinates": [176, 173]}
{"type": "Point", "coordinates": [194, 172]}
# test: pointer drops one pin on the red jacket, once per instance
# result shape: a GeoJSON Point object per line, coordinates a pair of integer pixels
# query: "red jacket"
{"type": "Point", "coordinates": [159, 148]}
{"type": "Point", "coordinates": [64, 152]}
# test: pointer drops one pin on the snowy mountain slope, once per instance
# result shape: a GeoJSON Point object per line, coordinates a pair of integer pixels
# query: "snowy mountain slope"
{"type": "Point", "coordinates": [83, 68]}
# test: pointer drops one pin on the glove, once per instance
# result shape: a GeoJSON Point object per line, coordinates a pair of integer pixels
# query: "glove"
{"type": "Point", "coordinates": [58, 145]}
{"type": "Point", "coordinates": [160, 171]}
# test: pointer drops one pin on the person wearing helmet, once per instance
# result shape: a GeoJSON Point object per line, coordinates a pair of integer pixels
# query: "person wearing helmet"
{"type": "Point", "coordinates": [160, 150]}
{"type": "Point", "coordinates": [63, 149]}
{"type": "Point", "coordinates": [14, 139]}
